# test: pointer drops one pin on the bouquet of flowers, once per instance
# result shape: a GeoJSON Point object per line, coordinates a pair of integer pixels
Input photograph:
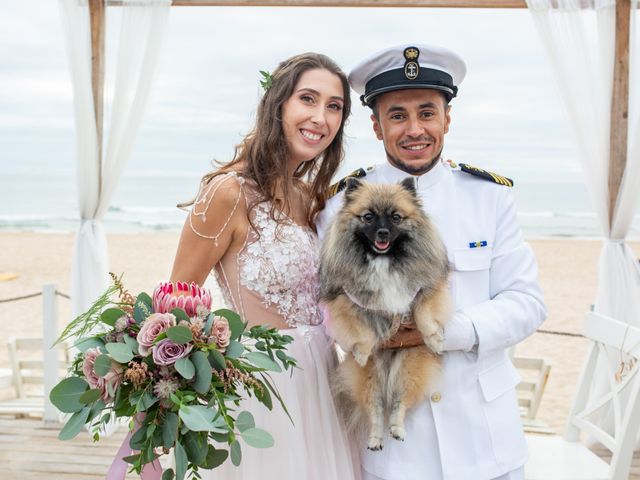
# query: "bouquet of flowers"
{"type": "Point", "coordinates": [177, 370]}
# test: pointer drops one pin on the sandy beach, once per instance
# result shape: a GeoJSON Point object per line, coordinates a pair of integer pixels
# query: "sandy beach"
{"type": "Point", "coordinates": [568, 269]}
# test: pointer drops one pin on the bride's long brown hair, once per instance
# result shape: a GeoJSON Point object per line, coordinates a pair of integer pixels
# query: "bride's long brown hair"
{"type": "Point", "coordinates": [263, 154]}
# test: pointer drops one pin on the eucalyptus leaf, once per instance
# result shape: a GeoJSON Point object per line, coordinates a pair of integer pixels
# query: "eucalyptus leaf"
{"type": "Point", "coordinates": [138, 438]}
{"type": "Point", "coordinates": [132, 343]}
{"type": "Point", "coordinates": [180, 335]}
{"type": "Point", "coordinates": [262, 360]}
{"type": "Point", "coordinates": [102, 365]}
{"type": "Point", "coordinates": [90, 396]}
{"type": "Point", "coordinates": [75, 424]}
{"type": "Point", "coordinates": [180, 314]}
{"type": "Point", "coordinates": [195, 444]}
{"type": "Point", "coordinates": [236, 452]}
{"type": "Point", "coordinates": [169, 429]}
{"type": "Point", "coordinates": [181, 461]}
{"type": "Point", "coordinates": [86, 343]}
{"type": "Point", "coordinates": [203, 372]}
{"type": "Point", "coordinates": [66, 394]}
{"type": "Point", "coordinates": [245, 421]}
{"type": "Point", "coordinates": [145, 298]}
{"type": "Point", "coordinates": [120, 352]}
{"type": "Point", "coordinates": [110, 315]}
{"type": "Point", "coordinates": [168, 474]}
{"type": "Point", "coordinates": [197, 418]}
{"type": "Point", "coordinates": [234, 349]}
{"type": "Point", "coordinates": [257, 438]}
{"type": "Point", "coordinates": [236, 325]}
{"type": "Point", "coordinates": [217, 360]}
{"type": "Point", "coordinates": [215, 457]}
{"type": "Point", "coordinates": [185, 367]}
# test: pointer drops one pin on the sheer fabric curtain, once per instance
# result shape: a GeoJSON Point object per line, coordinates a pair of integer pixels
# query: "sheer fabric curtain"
{"type": "Point", "coordinates": [579, 36]}
{"type": "Point", "coordinates": [143, 26]}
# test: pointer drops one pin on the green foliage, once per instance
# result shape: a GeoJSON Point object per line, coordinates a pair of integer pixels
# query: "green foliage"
{"type": "Point", "coordinates": [110, 315]}
{"type": "Point", "coordinates": [74, 424]}
{"type": "Point", "coordinates": [102, 365]}
{"type": "Point", "coordinates": [185, 367]}
{"type": "Point", "coordinates": [180, 335]}
{"type": "Point", "coordinates": [180, 314]}
{"type": "Point", "coordinates": [262, 360]}
{"type": "Point", "coordinates": [66, 395]}
{"type": "Point", "coordinates": [236, 325]}
{"type": "Point", "coordinates": [203, 372]}
{"type": "Point", "coordinates": [257, 438]}
{"type": "Point", "coordinates": [236, 452]}
{"type": "Point", "coordinates": [120, 352]}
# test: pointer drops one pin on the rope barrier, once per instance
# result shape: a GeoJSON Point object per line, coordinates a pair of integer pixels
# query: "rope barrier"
{"type": "Point", "coordinates": [32, 295]}
{"type": "Point", "coordinates": [565, 334]}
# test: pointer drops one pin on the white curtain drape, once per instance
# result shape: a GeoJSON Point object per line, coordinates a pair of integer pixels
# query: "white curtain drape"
{"type": "Point", "coordinates": [579, 37]}
{"type": "Point", "coordinates": [143, 26]}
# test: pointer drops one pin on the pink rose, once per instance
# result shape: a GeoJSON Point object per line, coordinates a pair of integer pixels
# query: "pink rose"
{"type": "Point", "coordinates": [109, 383]}
{"type": "Point", "coordinates": [188, 297]}
{"type": "Point", "coordinates": [166, 352]}
{"type": "Point", "coordinates": [220, 332]}
{"type": "Point", "coordinates": [154, 325]}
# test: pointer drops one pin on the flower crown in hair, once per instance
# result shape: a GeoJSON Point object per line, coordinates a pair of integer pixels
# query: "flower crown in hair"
{"type": "Point", "coordinates": [267, 80]}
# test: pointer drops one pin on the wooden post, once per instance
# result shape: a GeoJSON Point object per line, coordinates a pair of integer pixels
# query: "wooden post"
{"type": "Point", "coordinates": [98, 26]}
{"type": "Point", "coordinates": [50, 355]}
{"type": "Point", "coordinates": [619, 105]}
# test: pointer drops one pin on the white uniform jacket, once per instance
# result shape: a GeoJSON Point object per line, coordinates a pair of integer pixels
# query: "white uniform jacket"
{"type": "Point", "coordinates": [469, 427]}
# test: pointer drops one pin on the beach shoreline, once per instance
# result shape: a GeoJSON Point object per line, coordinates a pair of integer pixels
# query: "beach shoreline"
{"type": "Point", "coordinates": [568, 275]}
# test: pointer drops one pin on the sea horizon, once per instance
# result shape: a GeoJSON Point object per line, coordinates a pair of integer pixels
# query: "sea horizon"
{"type": "Point", "coordinates": [145, 201]}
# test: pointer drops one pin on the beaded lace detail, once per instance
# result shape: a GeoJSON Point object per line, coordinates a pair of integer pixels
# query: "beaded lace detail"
{"type": "Point", "coordinates": [282, 268]}
{"type": "Point", "coordinates": [276, 269]}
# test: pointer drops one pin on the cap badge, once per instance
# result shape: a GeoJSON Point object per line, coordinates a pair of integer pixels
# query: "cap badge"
{"type": "Point", "coordinates": [411, 67]}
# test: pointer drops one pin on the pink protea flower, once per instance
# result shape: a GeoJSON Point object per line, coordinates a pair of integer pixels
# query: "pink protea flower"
{"type": "Point", "coordinates": [188, 297]}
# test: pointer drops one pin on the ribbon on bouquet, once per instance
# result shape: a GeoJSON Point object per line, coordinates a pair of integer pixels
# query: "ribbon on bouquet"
{"type": "Point", "coordinates": [118, 468]}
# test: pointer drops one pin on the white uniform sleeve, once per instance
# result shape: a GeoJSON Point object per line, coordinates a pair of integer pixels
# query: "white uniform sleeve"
{"type": "Point", "coordinates": [516, 308]}
{"type": "Point", "coordinates": [326, 216]}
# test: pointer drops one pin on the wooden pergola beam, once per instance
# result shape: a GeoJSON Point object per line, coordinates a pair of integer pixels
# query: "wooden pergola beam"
{"type": "Point", "coordinates": [348, 3]}
{"type": "Point", "coordinates": [98, 26]}
{"type": "Point", "coordinates": [619, 105]}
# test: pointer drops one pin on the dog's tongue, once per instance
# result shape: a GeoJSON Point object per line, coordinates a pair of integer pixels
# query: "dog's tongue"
{"type": "Point", "coordinates": [382, 245]}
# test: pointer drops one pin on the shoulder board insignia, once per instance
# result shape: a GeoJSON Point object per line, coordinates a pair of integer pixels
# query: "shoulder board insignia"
{"type": "Point", "coordinates": [492, 177]}
{"type": "Point", "coordinates": [342, 183]}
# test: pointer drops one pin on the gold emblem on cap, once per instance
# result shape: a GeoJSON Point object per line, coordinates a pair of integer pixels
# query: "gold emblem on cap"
{"type": "Point", "coordinates": [411, 66]}
{"type": "Point", "coordinates": [411, 53]}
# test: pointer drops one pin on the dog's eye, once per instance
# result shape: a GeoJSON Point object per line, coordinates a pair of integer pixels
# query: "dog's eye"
{"type": "Point", "coordinates": [396, 218]}
{"type": "Point", "coordinates": [367, 217]}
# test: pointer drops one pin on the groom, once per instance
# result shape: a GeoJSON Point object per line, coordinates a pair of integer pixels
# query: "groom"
{"type": "Point", "coordinates": [468, 427]}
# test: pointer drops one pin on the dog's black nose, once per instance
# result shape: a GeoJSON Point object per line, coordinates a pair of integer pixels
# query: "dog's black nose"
{"type": "Point", "coordinates": [382, 234]}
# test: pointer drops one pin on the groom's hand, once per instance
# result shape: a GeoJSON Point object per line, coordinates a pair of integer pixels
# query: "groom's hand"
{"type": "Point", "coordinates": [407, 336]}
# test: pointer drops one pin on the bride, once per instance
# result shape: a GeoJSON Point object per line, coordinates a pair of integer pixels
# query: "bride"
{"type": "Point", "coordinates": [252, 223]}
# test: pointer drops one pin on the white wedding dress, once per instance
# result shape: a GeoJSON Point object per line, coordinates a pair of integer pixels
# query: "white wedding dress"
{"type": "Point", "coordinates": [273, 278]}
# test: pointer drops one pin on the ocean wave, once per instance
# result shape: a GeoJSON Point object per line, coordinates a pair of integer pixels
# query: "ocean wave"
{"type": "Point", "coordinates": [147, 210]}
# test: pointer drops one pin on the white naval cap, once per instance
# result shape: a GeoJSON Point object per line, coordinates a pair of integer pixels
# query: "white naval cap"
{"type": "Point", "coordinates": [405, 67]}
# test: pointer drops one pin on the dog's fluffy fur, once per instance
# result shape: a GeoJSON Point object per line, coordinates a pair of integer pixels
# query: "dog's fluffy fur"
{"type": "Point", "coordinates": [383, 261]}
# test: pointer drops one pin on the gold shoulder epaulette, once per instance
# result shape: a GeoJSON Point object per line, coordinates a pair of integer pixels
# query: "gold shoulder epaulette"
{"type": "Point", "coordinates": [492, 177]}
{"type": "Point", "coordinates": [342, 183]}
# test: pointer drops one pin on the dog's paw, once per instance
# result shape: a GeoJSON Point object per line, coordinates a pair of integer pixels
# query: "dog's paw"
{"type": "Point", "coordinates": [397, 432]}
{"type": "Point", "coordinates": [360, 357]}
{"type": "Point", "coordinates": [375, 443]}
{"type": "Point", "coordinates": [435, 341]}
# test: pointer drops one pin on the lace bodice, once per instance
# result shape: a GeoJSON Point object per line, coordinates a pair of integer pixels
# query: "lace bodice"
{"type": "Point", "coordinates": [273, 278]}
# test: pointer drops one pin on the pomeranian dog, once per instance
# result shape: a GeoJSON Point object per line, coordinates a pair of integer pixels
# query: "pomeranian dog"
{"type": "Point", "coordinates": [383, 264]}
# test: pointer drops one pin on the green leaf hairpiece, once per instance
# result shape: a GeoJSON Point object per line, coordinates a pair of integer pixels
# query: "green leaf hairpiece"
{"type": "Point", "coordinates": [267, 80]}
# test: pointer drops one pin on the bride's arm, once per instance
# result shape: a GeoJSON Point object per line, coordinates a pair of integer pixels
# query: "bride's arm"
{"type": "Point", "coordinates": [216, 223]}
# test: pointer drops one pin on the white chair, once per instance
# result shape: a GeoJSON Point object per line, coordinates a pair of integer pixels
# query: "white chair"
{"type": "Point", "coordinates": [566, 458]}
{"type": "Point", "coordinates": [27, 376]}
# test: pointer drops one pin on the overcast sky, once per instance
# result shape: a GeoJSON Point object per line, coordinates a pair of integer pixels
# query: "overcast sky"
{"type": "Point", "coordinates": [508, 116]}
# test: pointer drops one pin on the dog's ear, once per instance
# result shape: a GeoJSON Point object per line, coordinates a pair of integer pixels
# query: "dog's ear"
{"type": "Point", "coordinates": [353, 184]}
{"type": "Point", "coordinates": [409, 184]}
